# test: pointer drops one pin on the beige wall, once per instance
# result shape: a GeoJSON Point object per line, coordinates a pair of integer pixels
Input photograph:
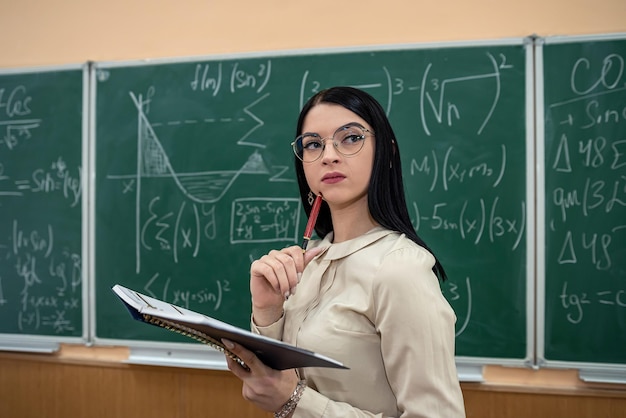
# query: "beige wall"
{"type": "Point", "coordinates": [38, 32]}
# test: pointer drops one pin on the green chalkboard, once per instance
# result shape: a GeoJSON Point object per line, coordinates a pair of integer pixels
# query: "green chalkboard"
{"type": "Point", "coordinates": [41, 191]}
{"type": "Point", "coordinates": [585, 201]}
{"type": "Point", "coordinates": [194, 177]}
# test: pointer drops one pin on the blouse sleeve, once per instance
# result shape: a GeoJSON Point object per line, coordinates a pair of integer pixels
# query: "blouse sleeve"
{"type": "Point", "coordinates": [416, 327]}
{"type": "Point", "coordinates": [274, 330]}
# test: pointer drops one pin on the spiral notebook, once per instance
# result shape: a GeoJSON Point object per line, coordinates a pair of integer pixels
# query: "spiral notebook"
{"type": "Point", "coordinates": [273, 353]}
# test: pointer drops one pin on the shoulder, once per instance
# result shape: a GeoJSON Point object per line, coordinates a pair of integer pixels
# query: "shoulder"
{"type": "Point", "coordinates": [398, 248]}
{"type": "Point", "coordinates": [399, 265]}
{"type": "Point", "coordinates": [402, 283]}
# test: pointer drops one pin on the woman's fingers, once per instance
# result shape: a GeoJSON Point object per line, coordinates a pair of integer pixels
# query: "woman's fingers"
{"type": "Point", "coordinates": [247, 357]}
{"type": "Point", "coordinates": [280, 269]}
{"type": "Point", "coordinates": [311, 254]}
{"type": "Point", "coordinates": [265, 387]}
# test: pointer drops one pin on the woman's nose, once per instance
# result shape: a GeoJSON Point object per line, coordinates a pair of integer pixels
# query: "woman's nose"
{"type": "Point", "coordinates": [330, 153]}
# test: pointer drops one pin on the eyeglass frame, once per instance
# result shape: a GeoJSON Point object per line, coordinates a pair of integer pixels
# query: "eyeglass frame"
{"type": "Point", "coordinates": [335, 144]}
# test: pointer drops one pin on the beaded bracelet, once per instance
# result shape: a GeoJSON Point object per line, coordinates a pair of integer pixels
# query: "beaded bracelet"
{"type": "Point", "coordinates": [291, 404]}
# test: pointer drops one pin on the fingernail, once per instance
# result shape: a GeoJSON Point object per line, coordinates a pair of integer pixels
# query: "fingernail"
{"type": "Point", "coordinates": [299, 277]}
{"type": "Point", "coordinates": [293, 290]}
{"type": "Point", "coordinates": [287, 295]}
{"type": "Point", "coordinates": [228, 343]}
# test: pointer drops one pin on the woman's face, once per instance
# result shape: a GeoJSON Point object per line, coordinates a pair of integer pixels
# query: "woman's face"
{"type": "Point", "coordinates": [342, 180]}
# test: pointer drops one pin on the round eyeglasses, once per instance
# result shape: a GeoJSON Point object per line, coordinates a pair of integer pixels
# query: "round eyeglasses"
{"type": "Point", "coordinates": [348, 140]}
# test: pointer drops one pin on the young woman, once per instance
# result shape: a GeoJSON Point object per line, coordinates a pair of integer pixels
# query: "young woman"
{"type": "Point", "coordinates": [366, 294]}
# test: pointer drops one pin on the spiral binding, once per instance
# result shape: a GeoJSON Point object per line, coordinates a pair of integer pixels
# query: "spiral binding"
{"type": "Point", "coordinates": [196, 335]}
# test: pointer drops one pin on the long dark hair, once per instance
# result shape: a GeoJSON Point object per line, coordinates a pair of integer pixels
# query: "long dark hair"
{"type": "Point", "coordinates": [385, 197]}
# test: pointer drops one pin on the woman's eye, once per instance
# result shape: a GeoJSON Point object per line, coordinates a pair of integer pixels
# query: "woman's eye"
{"type": "Point", "coordinates": [351, 139]}
{"type": "Point", "coordinates": [311, 145]}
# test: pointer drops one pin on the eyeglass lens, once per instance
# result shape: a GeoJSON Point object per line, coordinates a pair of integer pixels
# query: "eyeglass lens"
{"type": "Point", "coordinates": [348, 140]}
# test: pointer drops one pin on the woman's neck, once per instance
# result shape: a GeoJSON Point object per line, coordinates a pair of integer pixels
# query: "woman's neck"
{"type": "Point", "coordinates": [351, 222]}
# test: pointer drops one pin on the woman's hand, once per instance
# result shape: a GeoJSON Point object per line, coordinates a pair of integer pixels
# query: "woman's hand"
{"type": "Point", "coordinates": [267, 388]}
{"type": "Point", "coordinates": [273, 278]}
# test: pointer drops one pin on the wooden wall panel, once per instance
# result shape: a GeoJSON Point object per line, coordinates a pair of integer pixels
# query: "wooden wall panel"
{"type": "Point", "coordinates": [32, 386]}
{"type": "Point", "coordinates": [493, 401]}
{"type": "Point", "coordinates": [36, 386]}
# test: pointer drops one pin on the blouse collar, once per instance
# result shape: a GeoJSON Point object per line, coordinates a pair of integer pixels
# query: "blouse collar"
{"type": "Point", "coordinates": [339, 250]}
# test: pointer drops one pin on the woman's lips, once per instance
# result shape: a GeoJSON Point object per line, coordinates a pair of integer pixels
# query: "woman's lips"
{"type": "Point", "coordinates": [332, 178]}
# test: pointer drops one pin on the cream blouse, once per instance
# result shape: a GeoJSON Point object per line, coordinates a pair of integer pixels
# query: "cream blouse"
{"type": "Point", "coordinates": [374, 304]}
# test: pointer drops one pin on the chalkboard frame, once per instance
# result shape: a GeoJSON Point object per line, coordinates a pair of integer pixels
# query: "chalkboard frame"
{"type": "Point", "coordinates": [197, 356]}
{"type": "Point", "coordinates": [51, 343]}
{"type": "Point", "coordinates": [588, 371]}
{"type": "Point", "coordinates": [192, 355]}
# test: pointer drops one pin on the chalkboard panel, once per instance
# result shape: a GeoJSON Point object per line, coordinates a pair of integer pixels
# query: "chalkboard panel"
{"type": "Point", "coordinates": [194, 177]}
{"type": "Point", "coordinates": [585, 201]}
{"type": "Point", "coordinates": [41, 191]}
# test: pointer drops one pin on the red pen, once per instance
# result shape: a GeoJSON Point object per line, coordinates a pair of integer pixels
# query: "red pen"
{"type": "Point", "coordinates": [315, 210]}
